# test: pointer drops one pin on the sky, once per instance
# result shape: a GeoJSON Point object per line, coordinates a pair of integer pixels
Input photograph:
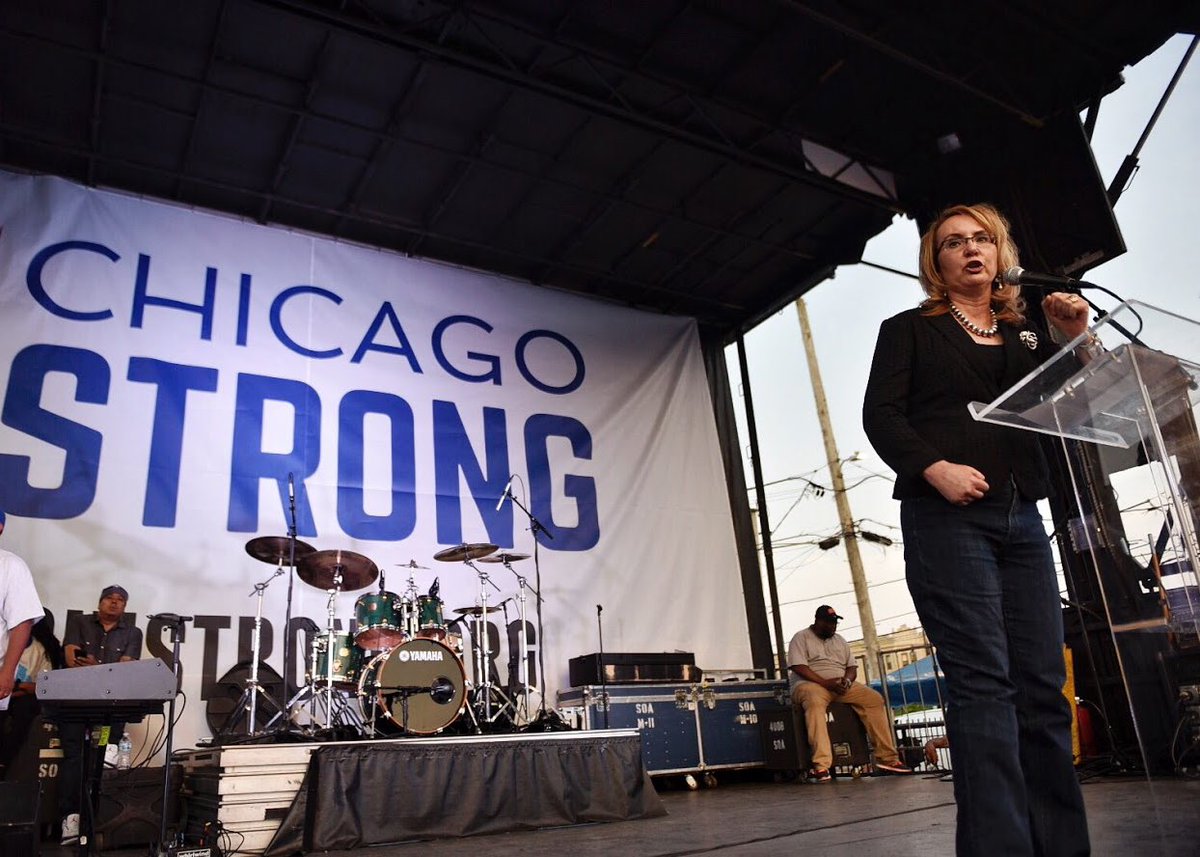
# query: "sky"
{"type": "Point", "coordinates": [1158, 215]}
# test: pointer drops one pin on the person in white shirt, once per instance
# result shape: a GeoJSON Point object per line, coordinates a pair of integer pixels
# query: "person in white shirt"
{"type": "Point", "coordinates": [43, 653]}
{"type": "Point", "coordinates": [20, 607]}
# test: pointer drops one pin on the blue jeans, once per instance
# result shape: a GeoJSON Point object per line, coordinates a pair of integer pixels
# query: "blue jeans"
{"type": "Point", "coordinates": [982, 579]}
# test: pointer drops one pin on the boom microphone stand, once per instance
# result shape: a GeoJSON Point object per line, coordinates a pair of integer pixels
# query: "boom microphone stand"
{"type": "Point", "coordinates": [289, 669]}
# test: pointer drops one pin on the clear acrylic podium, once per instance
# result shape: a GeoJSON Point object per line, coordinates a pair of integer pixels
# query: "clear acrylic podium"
{"type": "Point", "coordinates": [1133, 527]}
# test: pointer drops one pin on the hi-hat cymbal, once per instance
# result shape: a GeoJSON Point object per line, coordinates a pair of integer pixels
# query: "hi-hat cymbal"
{"type": "Point", "coordinates": [476, 611]}
{"type": "Point", "coordinates": [320, 569]}
{"type": "Point", "coordinates": [277, 550]}
{"type": "Point", "coordinates": [505, 556]}
{"type": "Point", "coordinates": [412, 563]}
{"type": "Point", "coordinates": [462, 553]}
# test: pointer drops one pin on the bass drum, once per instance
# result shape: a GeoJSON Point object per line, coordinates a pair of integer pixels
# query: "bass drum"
{"type": "Point", "coordinates": [424, 672]}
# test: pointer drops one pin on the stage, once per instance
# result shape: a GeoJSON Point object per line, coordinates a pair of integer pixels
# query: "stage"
{"type": "Point", "coordinates": [750, 814]}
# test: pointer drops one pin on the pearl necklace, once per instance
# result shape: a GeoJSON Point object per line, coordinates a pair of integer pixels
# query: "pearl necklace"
{"type": "Point", "coordinates": [974, 328]}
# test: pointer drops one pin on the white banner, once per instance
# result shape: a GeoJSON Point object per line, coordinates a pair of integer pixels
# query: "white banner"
{"type": "Point", "coordinates": [164, 371]}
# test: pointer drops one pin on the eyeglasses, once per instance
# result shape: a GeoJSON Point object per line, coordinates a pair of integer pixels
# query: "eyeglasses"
{"type": "Point", "coordinates": [958, 242]}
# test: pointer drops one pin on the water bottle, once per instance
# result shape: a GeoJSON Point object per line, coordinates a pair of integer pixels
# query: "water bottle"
{"type": "Point", "coordinates": [124, 752]}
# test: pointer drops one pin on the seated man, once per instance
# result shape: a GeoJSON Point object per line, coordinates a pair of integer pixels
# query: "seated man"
{"type": "Point", "coordinates": [823, 671]}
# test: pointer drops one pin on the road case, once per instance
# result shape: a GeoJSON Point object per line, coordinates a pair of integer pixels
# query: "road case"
{"type": "Point", "coordinates": [785, 739]}
{"type": "Point", "coordinates": [685, 727]}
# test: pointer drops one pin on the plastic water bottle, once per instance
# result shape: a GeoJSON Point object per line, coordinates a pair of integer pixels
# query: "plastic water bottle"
{"type": "Point", "coordinates": [124, 752]}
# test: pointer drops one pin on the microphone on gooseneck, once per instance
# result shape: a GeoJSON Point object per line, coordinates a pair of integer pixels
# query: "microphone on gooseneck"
{"type": "Point", "coordinates": [1018, 276]}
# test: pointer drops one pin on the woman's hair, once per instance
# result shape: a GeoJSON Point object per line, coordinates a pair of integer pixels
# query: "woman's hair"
{"type": "Point", "coordinates": [1007, 302]}
{"type": "Point", "coordinates": [43, 632]}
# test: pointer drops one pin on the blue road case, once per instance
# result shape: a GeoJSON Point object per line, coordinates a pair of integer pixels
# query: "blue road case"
{"type": "Point", "coordinates": [686, 728]}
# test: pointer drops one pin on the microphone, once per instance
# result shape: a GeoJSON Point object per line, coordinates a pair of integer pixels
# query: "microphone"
{"type": "Point", "coordinates": [1018, 276]}
{"type": "Point", "coordinates": [291, 489]}
{"type": "Point", "coordinates": [507, 492]}
{"type": "Point", "coordinates": [171, 618]}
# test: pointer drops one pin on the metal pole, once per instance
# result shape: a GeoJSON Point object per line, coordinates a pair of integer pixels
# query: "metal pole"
{"type": "Point", "coordinates": [761, 498]}
{"type": "Point", "coordinates": [849, 535]}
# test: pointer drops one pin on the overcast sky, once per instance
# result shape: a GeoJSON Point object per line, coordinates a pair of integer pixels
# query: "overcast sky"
{"type": "Point", "coordinates": [1158, 215]}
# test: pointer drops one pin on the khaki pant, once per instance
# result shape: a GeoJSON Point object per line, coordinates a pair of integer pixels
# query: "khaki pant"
{"type": "Point", "coordinates": [867, 704]}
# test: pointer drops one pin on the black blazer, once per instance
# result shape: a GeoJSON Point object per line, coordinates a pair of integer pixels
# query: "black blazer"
{"type": "Point", "coordinates": [924, 373]}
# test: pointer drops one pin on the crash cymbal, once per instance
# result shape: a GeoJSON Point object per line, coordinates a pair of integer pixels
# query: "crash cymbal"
{"type": "Point", "coordinates": [476, 611]}
{"type": "Point", "coordinates": [505, 556]}
{"type": "Point", "coordinates": [277, 549]}
{"type": "Point", "coordinates": [320, 569]}
{"type": "Point", "coordinates": [412, 563]}
{"type": "Point", "coordinates": [462, 553]}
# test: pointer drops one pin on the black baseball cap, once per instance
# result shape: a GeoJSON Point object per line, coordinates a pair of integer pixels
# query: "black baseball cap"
{"type": "Point", "coordinates": [827, 612]}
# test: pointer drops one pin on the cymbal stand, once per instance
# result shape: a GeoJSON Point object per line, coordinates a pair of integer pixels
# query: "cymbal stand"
{"type": "Point", "coordinates": [249, 699]}
{"type": "Point", "coordinates": [329, 611]}
{"type": "Point", "coordinates": [523, 714]}
{"type": "Point", "coordinates": [483, 677]}
{"type": "Point", "coordinates": [411, 622]}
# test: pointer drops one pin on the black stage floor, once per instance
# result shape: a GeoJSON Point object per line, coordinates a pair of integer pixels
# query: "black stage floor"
{"type": "Point", "coordinates": [895, 816]}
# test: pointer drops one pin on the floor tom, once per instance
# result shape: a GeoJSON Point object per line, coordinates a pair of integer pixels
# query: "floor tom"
{"type": "Point", "coordinates": [344, 665]}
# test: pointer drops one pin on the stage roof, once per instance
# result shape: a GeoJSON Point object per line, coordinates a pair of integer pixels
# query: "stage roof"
{"type": "Point", "coordinates": [699, 157]}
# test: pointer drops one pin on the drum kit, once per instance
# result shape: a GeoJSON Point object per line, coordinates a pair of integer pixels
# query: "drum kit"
{"type": "Point", "coordinates": [400, 668]}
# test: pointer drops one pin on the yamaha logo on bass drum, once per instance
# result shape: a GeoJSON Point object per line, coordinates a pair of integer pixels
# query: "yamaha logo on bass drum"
{"type": "Point", "coordinates": [435, 655]}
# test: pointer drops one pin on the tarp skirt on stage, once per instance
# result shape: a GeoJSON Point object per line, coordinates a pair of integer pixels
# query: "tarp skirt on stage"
{"type": "Point", "coordinates": [378, 793]}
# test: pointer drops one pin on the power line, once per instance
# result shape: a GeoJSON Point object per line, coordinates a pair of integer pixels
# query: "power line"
{"type": "Point", "coordinates": [835, 594]}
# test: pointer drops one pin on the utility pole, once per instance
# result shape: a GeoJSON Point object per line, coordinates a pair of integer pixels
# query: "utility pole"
{"type": "Point", "coordinates": [849, 536]}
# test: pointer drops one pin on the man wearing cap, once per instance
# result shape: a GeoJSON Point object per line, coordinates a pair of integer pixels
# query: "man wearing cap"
{"type": "Point", "coordinates": [104, 637]}
{"type": "Point", "coordinates": [19, 609]}
{"type": "Point", "coordinates": [824, 671]}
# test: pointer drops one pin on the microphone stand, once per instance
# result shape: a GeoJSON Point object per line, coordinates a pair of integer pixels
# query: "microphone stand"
{"type": "Point", "coordinates": [1071, 283]}
{"type": "Point", "coordinates": [1103, 314]}
{"type": "Point", "coordinates": [603, 666]}
{"type": "Point", "coordinates": [178, 631]}
{"type": "Point", "coordinates": [546, 721]}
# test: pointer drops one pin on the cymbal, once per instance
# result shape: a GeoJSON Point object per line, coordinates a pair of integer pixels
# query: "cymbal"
{"type": "Point", "coordinates": [476, 611]}
{"type": "Point", "coordinates": [320, 569]}
{"type": "Point", "coordinates": [277, 549]}
{"type": "Point", "coordinates": [505, 556]}
{"type": "Point", "coordinates": [412, 563]}
{"type": "Point", "coordinates": [462, 553]}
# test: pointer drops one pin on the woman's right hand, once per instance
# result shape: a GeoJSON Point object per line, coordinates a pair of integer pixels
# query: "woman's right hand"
{"type": "Point", "coordinates": [960, 484]}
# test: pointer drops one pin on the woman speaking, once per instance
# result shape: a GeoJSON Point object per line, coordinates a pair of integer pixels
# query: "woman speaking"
{"type": "Point", "coordinates": [977, 557]}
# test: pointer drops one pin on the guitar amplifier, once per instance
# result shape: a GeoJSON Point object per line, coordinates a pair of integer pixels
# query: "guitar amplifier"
{"type": "Point", "coordinates": [633, 668]}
